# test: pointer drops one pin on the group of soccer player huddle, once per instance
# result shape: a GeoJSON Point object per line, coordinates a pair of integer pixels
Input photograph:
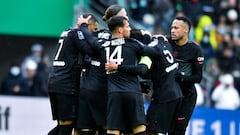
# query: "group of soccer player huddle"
{"type": "Point", "coordinates": [94, 85]}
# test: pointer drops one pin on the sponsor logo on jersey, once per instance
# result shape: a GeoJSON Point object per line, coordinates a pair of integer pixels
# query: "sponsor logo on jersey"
{"type": "Point", "coordinates": [80, 35]}
{"type": "Point", "coordinates": [172, 67]}
{"type": "Point", "coordinates": [200, 60]}
{"type": "Point", "coordinates": [175, 53]}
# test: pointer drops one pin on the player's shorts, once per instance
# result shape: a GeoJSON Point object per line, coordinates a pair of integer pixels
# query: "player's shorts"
{"type": "Point", "coordinates": [64, 106]}
{"type": "Point", "coordinates": [92, 109]}
{"type": "Point", "coordinates": [125, 111]}
{"type": "Point", "coordinates": [161, 116]}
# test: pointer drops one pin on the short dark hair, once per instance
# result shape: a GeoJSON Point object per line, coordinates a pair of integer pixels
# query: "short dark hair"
{"type": "Point", "coordinates": [116, 21]}
{"type": "Point", "coordinates": [185, 20]}
{"type": "Point", "coordinates": [93, 19]}
{"type": "Point", "coordinates": [111, 11]}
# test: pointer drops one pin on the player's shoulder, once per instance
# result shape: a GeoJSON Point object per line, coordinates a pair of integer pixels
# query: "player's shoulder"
{"type": "Point", "coordinates": [103, 31]}
{"type": "Point", "coordinates": [103, 34]}
{"type": "Point", "coordinates": [76, 32]}
{"type": "Point", "coordinates": [134, 41]}
{"type": "Point", "coordinates": [194, 45]}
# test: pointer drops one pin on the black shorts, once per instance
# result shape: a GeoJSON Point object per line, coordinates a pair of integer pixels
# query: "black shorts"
{"type": "Point", "coordinates": [92, 111]}
{"type": "Point", "coordinates": [186, 110]}
{"type": "Point", "coordinates": [125, 111]}
{"type": "Point", "coordinates": [64, 106]}
{"type": "Point", "coordinates": [161, 116]}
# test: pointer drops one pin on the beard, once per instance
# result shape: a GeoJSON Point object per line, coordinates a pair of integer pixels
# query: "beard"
{"type": "Point", "coordinates": [175, 38]}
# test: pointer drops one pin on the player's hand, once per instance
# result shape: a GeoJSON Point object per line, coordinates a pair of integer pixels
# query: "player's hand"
{"type": "Point", "coordinates": [111, 66]}
{"type": "Point", "coordinates": [145, 32]}
{"type": "Point", "coordinates": [145, 86]}
{"type": "Point", "coordinates": [179, 77]}
{"type": "Point", "coordinates": [82, 20]}
{"type": "Point", "coordinates": [160, 36]}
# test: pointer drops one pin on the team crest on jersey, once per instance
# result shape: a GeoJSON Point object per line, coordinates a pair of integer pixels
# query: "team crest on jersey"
{"type": "Point", "coordinates": [80, 35]}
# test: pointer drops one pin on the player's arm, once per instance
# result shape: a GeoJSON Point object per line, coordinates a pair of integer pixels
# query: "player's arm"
{"type": "Point", "coordinates": [140, 69]}
{"type": "Point", "coordinates": [155, 48]}
{"type": "Point", "coordinates": [77, 37]}
{"type": "Point", "coordinates": [197, 69]}
{"type": "Point", "coordinates": [141, 35]}
{"type": "Point", "coordinates": [92, 40]}
{"type": "Point", "coordinates": [196, 76]}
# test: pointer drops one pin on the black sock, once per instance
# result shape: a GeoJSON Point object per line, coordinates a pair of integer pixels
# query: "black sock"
{"type": "Point", "coordinates": [87, 132]}
{"type": "Point", "coordinates": [102, 131]}
{"type": "Point", "coordinates": [54, 131]}
{"type": "Point", "coordinates": [141, 133]}
{"type": "Point", "coordinates": [65, 129]}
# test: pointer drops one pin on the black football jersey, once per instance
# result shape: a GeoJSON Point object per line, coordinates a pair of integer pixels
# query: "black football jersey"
{"type": "Point", "coordinates": [126, 53]}
{"type": "Point", "coordinates": [123, 52]}
{"type": "Point", "coordinates": [162, 72]}
{"type": "Point", "coordinates": [68, 63]}
{"type": "Point", "coordinates": [94, 77]}
{"type": "Point", "coordinates": [190, 58]}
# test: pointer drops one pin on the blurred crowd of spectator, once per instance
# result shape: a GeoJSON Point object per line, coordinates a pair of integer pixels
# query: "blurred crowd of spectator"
{"type": "Point", "coordinates": [28, 78]}
{"type": "Point", "coordinates": [215, 27]}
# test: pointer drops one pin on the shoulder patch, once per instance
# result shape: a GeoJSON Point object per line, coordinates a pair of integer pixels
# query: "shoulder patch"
{"type": "Point", "coordinates": [200, 60]}
{"type": "Point", "coordinates": [80, 35]}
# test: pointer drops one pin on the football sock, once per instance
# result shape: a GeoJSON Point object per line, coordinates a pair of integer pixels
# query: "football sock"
{"type": "Point", "coordinates": [65, 129]}
{"type": "Point", "coordinates": [54, 131]}
{"type": "Point", "coordinates": [141, 133]}
{"type": "Point", "coordinates": [87, 133]}
{"type": "Point", "coordinates": [102, 131]}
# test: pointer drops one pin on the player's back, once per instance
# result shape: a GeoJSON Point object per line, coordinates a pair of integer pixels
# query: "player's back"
{"type": "Point", "coordinates": [67, 64]}
{"type": "Point", "coordinates": [123, 52]}
{"type": "Point", "coordinates": [163, 71]}
{"type": "Point", "coordinates": [94, 77]}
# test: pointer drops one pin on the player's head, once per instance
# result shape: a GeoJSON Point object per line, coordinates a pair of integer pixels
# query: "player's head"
{"type": "Point", "coordinates": [180, 28]}
{"type": "Point", "coordinates": [92, 23]}
{"type": "Point", "coordinates": [119, 25]}
{"type": "Point", "coordinates": [114, 10]}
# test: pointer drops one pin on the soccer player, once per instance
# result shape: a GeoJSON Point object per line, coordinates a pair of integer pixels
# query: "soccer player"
{"type": "Point", "coordinates": [167, 95]}
{"type": "Point", "coordinates": [125, 101]}
{"type": "Point", "coordinates": [190, 58]}
{"type": "Point", "coordinates": [93, 94]}
{"type": "Point", "coordinates": [63, 84]}
{"type": "Point", "coordinates": [92, 102]}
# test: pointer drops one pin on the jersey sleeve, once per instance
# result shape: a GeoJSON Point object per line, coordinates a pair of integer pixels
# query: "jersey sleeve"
{"type": "Point", "coordinates": [155, 48]}
{"type": "Point", "coordinates": [78, 37]}
{"type": "Point", "coordinates": [92, 40]}
{"type": "Point", "coordinates": [140, 69]}
{"type": "Point", "coordinates": [137, 34]}
{"type": "Point", "coordinates": [197, 68]}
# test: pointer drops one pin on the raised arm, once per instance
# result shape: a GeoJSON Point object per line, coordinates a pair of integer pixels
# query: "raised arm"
{"type": "Point", "coordinates": [92, 40]}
